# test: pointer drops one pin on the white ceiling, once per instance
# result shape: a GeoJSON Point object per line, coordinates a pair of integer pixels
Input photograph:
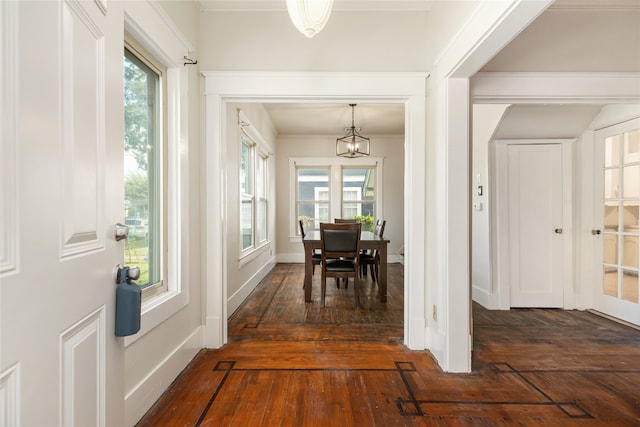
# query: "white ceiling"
{"type": "Point", "coordinates": [572, 35]}
{"type": "Point", "coordinates": [331, 119]}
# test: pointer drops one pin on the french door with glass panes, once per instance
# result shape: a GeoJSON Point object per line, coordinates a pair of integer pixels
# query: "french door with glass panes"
{"type": "Point", "coordinates": [616, 231]}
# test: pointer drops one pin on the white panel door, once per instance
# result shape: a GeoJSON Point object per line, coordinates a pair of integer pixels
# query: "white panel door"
{"type": "Point", "coordinates": [62, 192]}
{"type": "Point", "coordinates": [535, 225]}
{"type": "Point", "coordinates": [615, 234]}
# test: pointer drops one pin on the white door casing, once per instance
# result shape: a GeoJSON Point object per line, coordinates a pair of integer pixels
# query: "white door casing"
{"type": "Point", "coordinates": [534, 223]}
{"type": "Point", "coordinates": [615, 231]}
{"type": "Point", "coordinates": [60, 361]}
{"type": "Point", "coordinates": [406, 88]}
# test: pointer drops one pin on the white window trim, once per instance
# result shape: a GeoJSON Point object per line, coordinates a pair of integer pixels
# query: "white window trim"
{"type": "Point", "coordinates": [153, 29]}
{"type": "Point", "coordinates": [260, 149]}
{"type": "Point", "coordinates": [335, 165]}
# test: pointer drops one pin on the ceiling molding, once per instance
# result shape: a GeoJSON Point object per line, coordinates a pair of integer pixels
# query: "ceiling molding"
{"type": "Point", "coordinates": [554, 88]}
{"type": "Point", "coordinates": [595, 5]}
{"type": "Point", "coordinates": [338, 5]}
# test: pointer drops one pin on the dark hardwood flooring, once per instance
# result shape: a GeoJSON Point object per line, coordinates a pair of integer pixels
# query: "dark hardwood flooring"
{"type": "Point", "coordinates": [291, 363]}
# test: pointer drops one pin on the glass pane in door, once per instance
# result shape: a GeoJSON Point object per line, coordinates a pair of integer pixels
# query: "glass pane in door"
{"type": "Point", "coordinates": [630, 286]}
{"type": "Point", "coordinates": [621, 212]}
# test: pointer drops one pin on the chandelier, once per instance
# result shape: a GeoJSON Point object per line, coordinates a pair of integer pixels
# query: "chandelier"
{"type": "Point", "coordinates": [309, 16]}
{"type": "Point", "coordinates": [352, 144]}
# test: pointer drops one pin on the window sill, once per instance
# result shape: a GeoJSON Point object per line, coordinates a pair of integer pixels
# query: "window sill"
{"type": "Point", "coordinates": [249, 256]}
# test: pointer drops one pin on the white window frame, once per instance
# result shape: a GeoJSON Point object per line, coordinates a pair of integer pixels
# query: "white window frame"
{"type": "Point", "coordinates": [259, 150]}
{"type": "Point", "coordinates": [335, 165]}
{"type": "Point", "coordinates": [157, 210]}
{"type": "Point", "coordinates": [149, 25]}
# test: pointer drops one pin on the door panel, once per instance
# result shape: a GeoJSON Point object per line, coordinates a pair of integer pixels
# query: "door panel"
{"type": "Point", "coordinates": [535, 212]}
{"type": "Point", "coordinates": [57, 287]}
{"type": "Point", "coordinates": [616, 235]}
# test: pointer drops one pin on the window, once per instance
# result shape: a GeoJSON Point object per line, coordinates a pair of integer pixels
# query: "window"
{"type": "Point", "coordinates": [312, 197]}
{"type": "Point", "coordinates": [317, 197]}
{"type": "Point", "coordinates": [359, 195]}
{"type": "Point", "coordinates": [254, 189]}
{"type": "Point", "coordinates": [262, 190]}
{"type": "Point", "coordinates": [246, 194]}
{"type": "Point", "coordinates": [144, 154]}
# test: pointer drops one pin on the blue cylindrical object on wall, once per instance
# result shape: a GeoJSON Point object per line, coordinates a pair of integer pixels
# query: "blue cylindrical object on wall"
{"type": "Point", "coordinates": [128, 308]}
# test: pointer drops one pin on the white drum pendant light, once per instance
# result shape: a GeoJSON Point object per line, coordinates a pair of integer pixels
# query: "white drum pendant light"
{"type": "Point", "coordinates": [309, 16]}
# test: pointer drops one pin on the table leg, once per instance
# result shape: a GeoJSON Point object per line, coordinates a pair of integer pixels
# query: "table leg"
{"type": "Point", "coordinates": [308, 271]}
{"type": "Point", "coordinates": [382, 273]}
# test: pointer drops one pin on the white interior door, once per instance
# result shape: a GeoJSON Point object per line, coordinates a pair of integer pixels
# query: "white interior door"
{"type": "Point", "coordinates": [535, 185]}
{"type": "Point", "coordinates": [62, 192]}
{"type": "Point", "coordinates": [615, 234]}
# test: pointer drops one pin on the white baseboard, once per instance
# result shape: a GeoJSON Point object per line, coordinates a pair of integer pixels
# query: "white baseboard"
{"type": "Point", "coordinates": [417, 339]}
{"type": "Point", "coordinates": [241, 294]}
{"type": "Point", "coordinates": [484, 298]}
{"type": "Point", "coordinates": [144, 394]}
{"type": "Point", "coordinates": [436, 342]}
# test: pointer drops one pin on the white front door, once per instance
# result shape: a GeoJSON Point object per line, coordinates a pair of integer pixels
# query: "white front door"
{"type": "Point", "coordinates": [615, 234]}
{"type": "Point", "coordinates": [62, 193]}
{"type": "Point", "coordinates": [535, 185]}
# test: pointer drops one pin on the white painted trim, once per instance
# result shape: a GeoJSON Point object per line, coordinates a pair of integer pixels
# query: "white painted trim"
{"type": "Point", "coordinates": [492, 26]}
{"type": "Point", "coordinates": [483, 297]}
{"type": "Point", "coordinates": [224, 87]}
{"type": "Point", "coordinates": [10, 396]}
{"type": "Point", "coordinates": [143, 395]}
{"type": "Point", "coordinates": [9, 147]}
{"type": "Point", "coordinates": [555, 87]}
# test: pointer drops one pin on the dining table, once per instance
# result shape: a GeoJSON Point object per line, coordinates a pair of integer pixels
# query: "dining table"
{"type": "Point", "coordinates": [368, 240]}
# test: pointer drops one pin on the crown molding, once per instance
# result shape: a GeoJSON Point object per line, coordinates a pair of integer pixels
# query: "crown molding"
{"type": "Point", "coordinates": [595, 5]}
{"type": "Point", "coordinates": [338, 5]}
{"type": "Point", "coordinates": [555, 87]}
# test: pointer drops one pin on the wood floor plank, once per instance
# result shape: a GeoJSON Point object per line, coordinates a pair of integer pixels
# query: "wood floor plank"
{"type": "Point", "coordinates": [291, 363]}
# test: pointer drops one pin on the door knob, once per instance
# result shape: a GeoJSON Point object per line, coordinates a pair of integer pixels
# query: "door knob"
{"type": "Point", "coordinates": [558, 230]}
{"type": "Point", "coordinates": [121, 231]}
{"type": "Point", "coordinates": [595, 232]}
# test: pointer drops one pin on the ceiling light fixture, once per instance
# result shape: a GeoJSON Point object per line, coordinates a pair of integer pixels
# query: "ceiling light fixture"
{"type": "Point", "coordinates": [309, 16]}
{"type": "Point", "coordinates": [352, 144]}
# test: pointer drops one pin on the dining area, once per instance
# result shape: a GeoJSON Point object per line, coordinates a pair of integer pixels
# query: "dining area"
{"type": "Point", "coordinates": [344, 251]}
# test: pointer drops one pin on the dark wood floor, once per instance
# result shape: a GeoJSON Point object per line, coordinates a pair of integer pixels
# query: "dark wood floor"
{"type": "Point", "coordinates": [290, 363]}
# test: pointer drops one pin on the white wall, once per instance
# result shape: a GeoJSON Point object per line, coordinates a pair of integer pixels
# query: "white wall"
{"type": "Point", "coordinates": [243, 274]}
{"type": "Point", "coordinates": [351, 41]}
{"type": "Point", "coordinates": [486, 119]}
{"type": "Point", "coordinates": [391, 148]}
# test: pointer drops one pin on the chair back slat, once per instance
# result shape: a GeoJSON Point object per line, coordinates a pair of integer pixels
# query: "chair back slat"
{"type": "Point", "coordinates": [302, 233]}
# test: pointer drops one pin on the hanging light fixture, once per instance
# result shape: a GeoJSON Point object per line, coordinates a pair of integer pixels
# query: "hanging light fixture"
{"type": "Point", "coordinates": [309, 16]}
{"type": "Point", "coordinates": [352, 144]}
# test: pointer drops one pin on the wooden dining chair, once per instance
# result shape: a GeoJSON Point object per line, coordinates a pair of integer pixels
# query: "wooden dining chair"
{"type": "Point", "coordinates": [340, 248]}
{"type": "Point", "coordinates": [371, 258]}
{"type": "Point", "coordinates": [315, 256]}
{"type": "Point", "coordinates": [345, 220]}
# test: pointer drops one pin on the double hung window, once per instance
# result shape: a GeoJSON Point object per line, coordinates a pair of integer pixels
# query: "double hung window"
{"type": "Point", "coordinates": [144, 167]}
{"type": "Point", "coordinates": [328, 188]}
{"type": "Point", "coordinates": [254, 190]}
